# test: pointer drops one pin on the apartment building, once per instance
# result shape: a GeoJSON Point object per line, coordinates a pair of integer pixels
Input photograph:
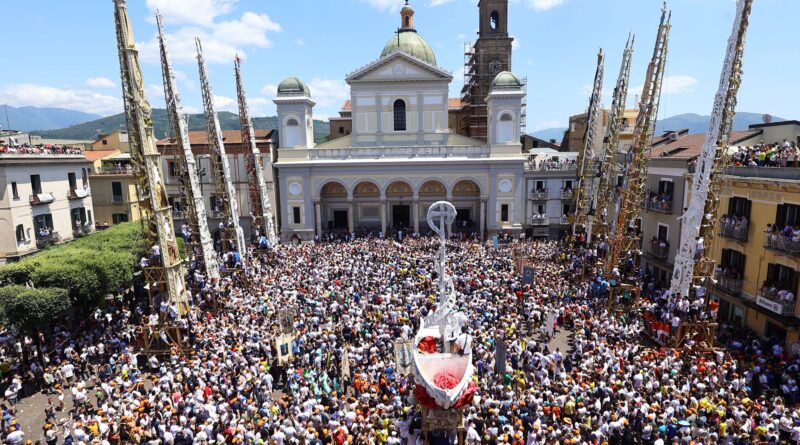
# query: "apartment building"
{"type": "Point", "coordinates": [45, 200]}
{"type": "Point", "coordinates": [114, 188]}
{"type": "Point", "coordinates": [550, 179]}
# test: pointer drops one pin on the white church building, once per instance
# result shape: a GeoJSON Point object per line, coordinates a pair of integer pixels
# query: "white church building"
{"type": "Point", "coordinates": [400, 156]}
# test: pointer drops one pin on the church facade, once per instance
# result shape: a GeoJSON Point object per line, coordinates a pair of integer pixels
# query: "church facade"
{"type": "Point", "coordinates": [400, 156]}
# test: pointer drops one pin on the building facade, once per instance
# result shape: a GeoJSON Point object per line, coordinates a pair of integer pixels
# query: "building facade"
{"type": "Point", "coordinates": [400, 156]}
{"type": "Point", "coordinates": [46, 200]}
{"type": "Point", "coordinates": [550, 180]}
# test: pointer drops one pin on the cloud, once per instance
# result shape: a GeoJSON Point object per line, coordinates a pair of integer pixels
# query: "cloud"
{"type": "Point", "coordinates": [439, 2]}
{"type": "Point", "coordinates": [544, 5]}
{"type": "Point", "coordinates": [29, 94]}
{"type": "Point", "coordinates": [270, 90]}
{"type": "Point", "coordinates": [544, 125]}
{"type": "Point", "coordinates": [515, 42]}
{"type": "Point", "coordinates": [100, 83]}
{"type": "Point", "coordinates": [328, 92]}
{"type": "Point", "coordinates": [672, 85]}
{"type": "Point", "coordinates": [222, 39]}
{"type": "Point", "coordinates": [225, 103]}
{"type": "Point", "coordinates": [195, 12]}
{"type": "Point", "coordinates": [300, 42]}
{"type": "Point", "coordinates": [384, 5]}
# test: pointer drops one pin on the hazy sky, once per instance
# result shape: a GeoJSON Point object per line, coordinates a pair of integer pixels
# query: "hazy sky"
{"type": "Point", "coordinates": [63, 53]}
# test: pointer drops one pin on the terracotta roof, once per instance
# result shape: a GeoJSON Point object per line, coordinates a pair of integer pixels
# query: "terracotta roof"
{"type": "Point", "coordinates": [228, 137]}
{"type": "Point", "coordinates": [347, 106]}
{"type": "Point", "coordinates": [98, 154]}
{"type": "Point", "coordinates": [455, 102]}
{"type": "Point", "coordinates": [689, 146]}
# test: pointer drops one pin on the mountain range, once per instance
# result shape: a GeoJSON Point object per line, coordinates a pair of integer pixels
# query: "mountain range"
{"type": "Point", "coordinates": [35, 118]}
{"type": "Point", "coordinates": [694, 122]}
{"type": "Point", "coordinates": [197, 122]}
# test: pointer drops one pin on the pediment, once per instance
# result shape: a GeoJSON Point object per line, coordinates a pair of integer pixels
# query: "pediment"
{"type": "Point", "coordinates": [399, 67]}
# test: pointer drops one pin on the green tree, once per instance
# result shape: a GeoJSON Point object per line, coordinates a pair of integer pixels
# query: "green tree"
{"type": "Point", "coordinates": [32, 311]}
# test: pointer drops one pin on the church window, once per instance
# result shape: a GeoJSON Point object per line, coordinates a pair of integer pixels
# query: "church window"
{"type": "Point", "coordinates": [494, 20]}
{"type": "Point", "coordinates": [292, 138]}
{"type": "Point", "coordinates": [399, 115]}
{"type": "Point", "coordinates": [505, 129]}
{"type": "Point", "coordinates": [408, 21]}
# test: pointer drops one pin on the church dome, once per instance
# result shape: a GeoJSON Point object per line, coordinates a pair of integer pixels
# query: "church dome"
{"type": "Point", "coordinates": [506, 80]}
{"type": "Point", "coordinates": [293, 85]}
{"type": "Point", "coordinates": [411, 43]}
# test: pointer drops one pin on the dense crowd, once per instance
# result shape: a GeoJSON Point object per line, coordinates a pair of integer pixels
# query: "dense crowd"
{"type": "Point", "coordinates": [349, 300]}
{"type": "Point", "coordinates": [785, 154]}
{"type": "Point", "coordinates": [42, 149]}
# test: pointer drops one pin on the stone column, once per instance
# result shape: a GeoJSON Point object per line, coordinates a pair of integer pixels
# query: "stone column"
{"type": "Point", "coordinates": [483, 218]}
{"type": "Point", "coordinates": [415, 214]}
{"type": "Point", "coordinates": [318, 217]}
{"type": "Point", "coordinates": [383, 216]}
{"type": "Point", "coordinates": [350, 215]}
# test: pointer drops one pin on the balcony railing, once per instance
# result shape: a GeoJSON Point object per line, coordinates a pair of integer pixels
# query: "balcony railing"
{"type": "Point", "coordinates": [559, 220]}
{"type": "Point", "coordinates": [215, 214]}
{"type": "Point", "coordinates": [734, 231]}
{"type": "Point", "coordinates": [41, 198]}
{"type": "Point", "coordinates": [659, 251]}
{"type": "Point", "coordinates": [444, 151]}
{"type": "Point", "coordinates": [729, 283]}
{"type": "Point", "coordinates": [550, 166]}
{"type": "Point", "coordinates": [540, 196]}
{"type": "Point", "coordinates": [773, 302]}
{"type": "Point", "coordinates": [78, 193]}
{"type": "Point", "coordinates": [116, 199]}
{"type": "Point", "coordinates": [177, 214]}
{"type": "Point", "coordinates": [78, 232]}
{"type": "Point", "coordinates": [781, 243]}
{"type": "Point", "coordinates": [115, 171]}
{"type": "Point", "coordinates": [664, 207]}
{"type": "Point", "coordinates": [566, 194]}
{"type": "Point", "coordinates": [539, 220]}
{"type": "Point", "coordinates": [43, 241]}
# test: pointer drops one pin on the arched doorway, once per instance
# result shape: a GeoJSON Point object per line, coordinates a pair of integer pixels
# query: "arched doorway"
{"type": "Point", "coordinates": [335, 208]}
{"type": "Point", "coordinates": [366, 200]}
{"type": "Point", "coordinates": [467, 200]}
{"type": "Point", "coordinates": [429, 192]}
{"type": "Point", "coordinates": [399, 199]}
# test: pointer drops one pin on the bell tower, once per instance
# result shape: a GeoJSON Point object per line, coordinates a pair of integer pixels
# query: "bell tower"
{"type": "Point", "coordinates": [490, 55]}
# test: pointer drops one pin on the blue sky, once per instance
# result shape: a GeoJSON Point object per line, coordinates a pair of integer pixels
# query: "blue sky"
{"type": "Point", "coordinates": [63, 53]}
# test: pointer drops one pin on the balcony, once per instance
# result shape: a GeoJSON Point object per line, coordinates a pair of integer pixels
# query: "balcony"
{"type": "Point", "coordinates": [780, 243]}
{"type": "Point", "coordinates": [540, 196]}
{"type": "Point", "coordinates": [41, 198]}
{"type": "Point", "coordinates": [127, 170]}
{"type": "Point", "coordinates": [566, 194]}
{"type": "Point", "coordinates": [660, 251]}
{"type": "Point", "coordinates": [215, 214]}
{"type": "Point", "coordinates": [734, 231]}
{"type": "Point", "coordinates": [728, 283]}
{"type": "Point", "coordinates": [410, 152]}
{"type": "Point", "coordinates": [563, 220]}
{"type": "Point", "coordinates": [771, 301]}
{"type": "Point", "coordinates": [77, 193]}
{"type": "Point", "coordinates": [43, 241]}
{"type": "Point", "coordinates": [177, 214]}
{"type": "Point", "coordinates": [116, 199]}
{"type": "Point", "coordinates": [539, 220]}
{"type": "Point", "coordinates": [80, 231]}
{"type": "Point", "coordinates": [664, 207]}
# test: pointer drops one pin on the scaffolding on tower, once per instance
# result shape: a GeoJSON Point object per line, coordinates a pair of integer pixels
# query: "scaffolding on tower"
{"type": "Point", "coordinates": [260, 207]}
{"type": "Point", "coordinates": [622, 268]}
{"type": "Point", "coordinates": [604, 196]}
{"type": "Point", "coordinates": [694, 268]}
{"type": "Point", "coordinates": [231, 235]}
{"type": "Point", "coordinates": [164, 274]}
{"type": "Point", "coordinates": [200, 245]}
{"type": "Point", "coordinates": [587, 165]}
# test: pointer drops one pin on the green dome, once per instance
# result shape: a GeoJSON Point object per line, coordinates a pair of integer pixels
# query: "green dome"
{"type": "Point", "coordinates": [506, 80]}
{"type": "Point", "coordinates": [412, 44]}
{"type": "Point", "coordinates": [293, 85]}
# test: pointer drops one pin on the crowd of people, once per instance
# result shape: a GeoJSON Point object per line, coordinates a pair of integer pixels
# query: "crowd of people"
{"type": "Point", "coordinates": [548, 164]}
{"type": "Point", "coordinates": [575, 371]}
{"type": "Point", "coordinates": [786, 238]}
{"type": "Point", "coordinates": [41, 149]}
{"type": "Point", "coordinates": [785, 154]}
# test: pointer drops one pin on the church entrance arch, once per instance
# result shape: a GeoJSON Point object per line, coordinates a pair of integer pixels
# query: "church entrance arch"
{"type": "Point", "coordinates": [334, 206]}
{"type": "Point", "coordinates": [429, 192]}
{"type": "Point", "coordinates": [467, 200]}
{"type": "Point", "coordinates": [399, 198]}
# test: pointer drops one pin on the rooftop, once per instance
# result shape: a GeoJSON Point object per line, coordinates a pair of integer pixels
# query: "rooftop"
{"type": "Point", "coordinates": [688, 146]}
{"type": "Point", "coordinates": [228, 137]}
